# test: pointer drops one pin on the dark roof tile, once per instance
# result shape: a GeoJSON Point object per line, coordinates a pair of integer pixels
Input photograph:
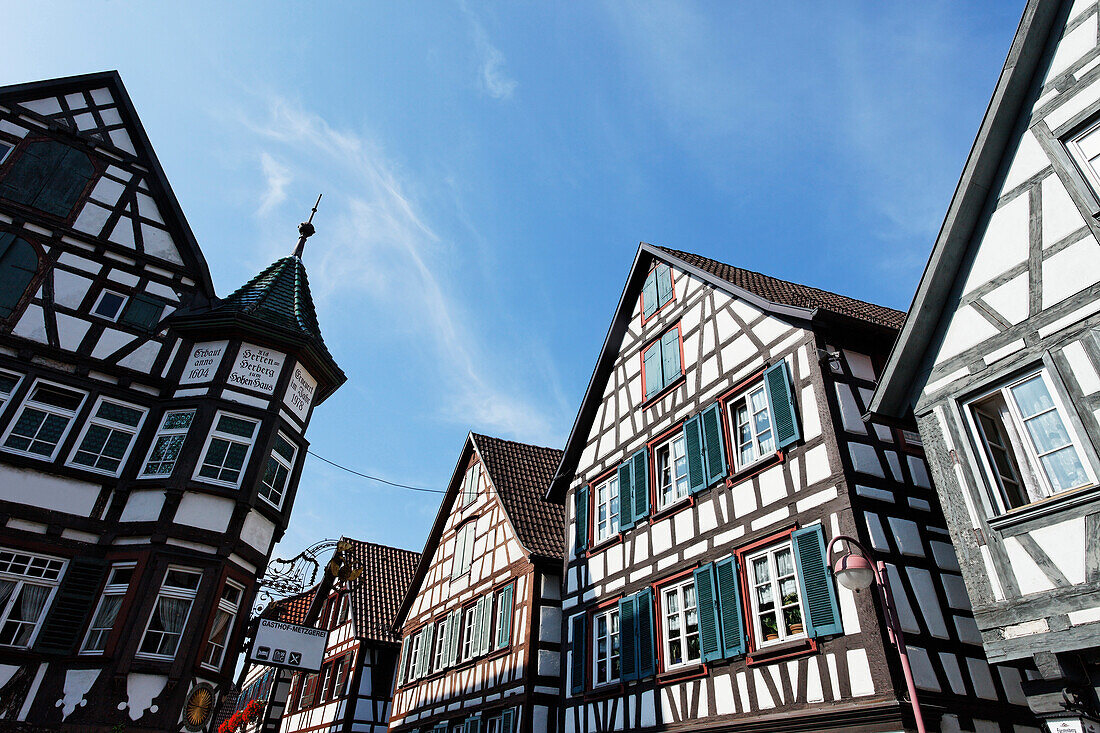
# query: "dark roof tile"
{"type": "Point", "coordinates": [377, 593]}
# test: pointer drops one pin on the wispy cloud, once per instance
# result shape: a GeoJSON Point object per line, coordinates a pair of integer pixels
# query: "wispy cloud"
{"type": "Point", "coordinates": [494, 79]}
{"type": "Point", "coordinates": [276, 177]}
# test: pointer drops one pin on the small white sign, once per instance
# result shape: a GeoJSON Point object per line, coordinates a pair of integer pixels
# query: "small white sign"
{"type": "Point", "coordinates": [203, 362]}
{"type": "Point", "coordinates": [299, 393]}
{"type": "Point", "coordinates": [1072, 725]}
{"type": "Point", "coordinates": [288, 645]}
{"type": "Point", "coordinates": [257, 368]}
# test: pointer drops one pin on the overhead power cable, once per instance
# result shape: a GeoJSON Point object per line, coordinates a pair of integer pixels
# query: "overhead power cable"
{"type": "Point", "coordinates": [375, 478]}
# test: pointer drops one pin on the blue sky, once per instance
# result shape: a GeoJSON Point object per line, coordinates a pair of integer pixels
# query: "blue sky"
{"type": "Point", "coordinates": [489, 170]}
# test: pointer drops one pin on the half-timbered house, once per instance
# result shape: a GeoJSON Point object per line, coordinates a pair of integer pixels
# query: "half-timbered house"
{"type": "Point", "coordinates": [481, 623]}
{"type": "Point", "coordinates": [1000, 363]}
{"type": "Point", "coordinates": [151, 434]}
{"type": "Point", "coordinates": [718, 450]}
{"type": "Point", "coordinates": [352, 691]}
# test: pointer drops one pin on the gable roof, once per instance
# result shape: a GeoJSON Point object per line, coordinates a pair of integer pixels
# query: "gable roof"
{"type": "Point", "coordinates": [771, 294]}
{"type": "Point", "coordinates": [519, 474]}
{"type": "Point", "coordinates": [290, 610]}
{"type": "Point", "coordinates": [897, 389]}
{"type": "Point", "coordinates": [136, 147]}
{"type": "Point", "coordinates": [378, 592]}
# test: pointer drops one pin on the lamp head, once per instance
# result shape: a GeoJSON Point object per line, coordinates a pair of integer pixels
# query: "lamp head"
{"type": "Point", "coordinates": [853, 571]}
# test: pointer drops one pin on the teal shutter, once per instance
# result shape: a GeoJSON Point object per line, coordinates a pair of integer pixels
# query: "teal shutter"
{"type": "Point", "coordinates": [664, 284]}
{"type": "Point", "coordinates": [504, 632]}
{"type": "Point", "coordinates": [714, 448]}
{"type": "Point", "coordinates": [707, 610]}
{"type": "Point", "coordinates": [639, 474]}
{"type": "Point", "coordinates": [693, 446]}
{"type": "Point", "coordinates": [818, 593]}
{"type": "Point", "coordinates": [777, 380]}
{"type": "Point", "coordinates": [649, 295]}
{"type": "Point", "coordinates": [626, 497]}
{"type": "Point", "coordinates": [628, 642]}
{"type": "Point", "coordinates": [401, 661]}
{"type": "Point", "coordinates": [454, 628]}
{"type": "Point", "coordinates": [32, 170]}
{"type": "Point", "coordinates": [473, 724]}
{"type": "Point", "coordinates": [643, 608]}
{"type": "Point", "coordinates": [63, 189]}
{"type": "Point", "coordinates": [577, 663]}
{"type": "Point", "coordinates": [143, 312]}
{"type": "Point", "coordinates": [651, 362]}
{"type": "Point", "coordinates": [70, 609]}
{"type": "Point", "coordinates": [508, 721]}
{"type": "Point", "coordinates": [670, 356]}
{"type": "Point", "coordinates": [484, 643]}
{"type": "Point", "coordinates": [18, 266]}
{"type": "Point", "coordinates": [580, 519]}
{"type": "Point", "coordinates": [729, 607]}
{"type": "Point", "coordinates": [426, 647]}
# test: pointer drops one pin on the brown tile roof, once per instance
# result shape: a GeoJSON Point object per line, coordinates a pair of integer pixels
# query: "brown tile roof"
{"type": "Point", "coordinates": [377, 593]}
{"type": "Point", "coordinates": [521, 474]}
{"type": "Point", "coordinates": [793, 294]}
{"type": "Point", "coordinates": [290, 610]}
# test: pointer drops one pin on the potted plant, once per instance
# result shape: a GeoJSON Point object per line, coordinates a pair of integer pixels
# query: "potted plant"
{"type": "Point", "coordinates": [770, 628]}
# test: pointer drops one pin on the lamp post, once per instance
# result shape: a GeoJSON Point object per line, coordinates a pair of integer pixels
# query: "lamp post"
{"type": "Point", "coordinates": [856, 571]}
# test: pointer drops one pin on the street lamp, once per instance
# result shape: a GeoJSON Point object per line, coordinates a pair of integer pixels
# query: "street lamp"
{"type": "Point", "coordinates": [855, 570]}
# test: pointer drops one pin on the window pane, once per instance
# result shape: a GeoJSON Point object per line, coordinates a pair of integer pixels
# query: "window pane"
{"type": "Point", "coordinates": [57, 397]}
{"type": "Point", "coordinates": [1032, 396]}
{"type": "Point", "coordinates": [119, 413]}
{"type": "Point", "coordinates": [178, 420]}
{"type": "Point", "coordinates": [1064, 469]}
{"type": "Point", "coordinates": [236, 426]}
{"type": "Point", "coordinates": [284, 448]}
{"type": "Point", "coordinates": [1047, 432]}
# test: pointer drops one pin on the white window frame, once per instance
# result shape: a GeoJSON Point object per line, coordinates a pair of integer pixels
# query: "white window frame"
{"type": "Point", "coordinates": [464, 549]}
{"type": "Point", "coordinates": [679, 589]}
{"type": "Point", "coordinates": [1076, 151]}
{"type": "Point", "coordinates": [498, 616]}
{"type": "Point", "coordinates": [163, 432]}
{"type": "Point", "coordinates": [99, 301]}
{"type": "Point", "coordinates": [468, 619]}
{"type": "Point", "coordinates": [168, 591]}
{"type": "Point", "coordinates": [110, 590]}
{"type": "Point", "coordinates": [414, 654]}
{"type": "Point", "coordinates": [439, 642]}
{"type": "Point", "coordinates": [38, 570]}
{"type": "Point", "coordinates": [215, 434]}
{"type": "Point", "coordinates": [676, 477]}
{"type": "Point", "coordinates": [5, 153]}
{"type": "Point", "coordinates": [607, 508]}
{"type": "Point", "coordinates": [770, 553]}
{"type": "Point", "coordinates": [28, 401]}
{"type": "Point", "coordinates": [610, 619]}
{"type": "Point", "coordinates": [231, 607]}
{"type": "Point", "coordinates": [5, 396]}
{"type": "Point", "coordinates": [283, 462]}
{"type": "Point", "coordinates": [760, 450]}
{"type": "Point", "coordinates": [1023, 439]}
{"type": "Point", "coordinates": [471, 485]}
{"type": "Point", "coordinates": [95, 421]}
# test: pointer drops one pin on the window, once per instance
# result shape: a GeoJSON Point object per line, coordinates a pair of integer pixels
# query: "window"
{"type": "Point", "coordinates": [324, 689]}
{"type": "Point", "coordinates": [309, 692]}
{"type": "Point", "coordinates": [108, 436]}
{"type": "Point", "coordinates": [503, 722]}
{"type": "Point", "coordinates": [751, 421]}
{"type": "Point", "coordinates": [49, 176]}
{"type": "Point", "coordinates": [44, 420]}
{"type": "Point", "coordinates": [103, 620]}
{"type": "Point", "coordinates": [8, 382]}
{"type": "Point", "coordinates": [109, 305]}
{"type": "Point", "coordinates": [661, 363]}
{"type": "Point", "coordinates": [657, 290]}
{"type": "Point", "coordinates": [470, 484]}
{"type": "Point", "coordinates": [469, 627]}
{"type": "Point", "coordinates": [27, 585]}
{"type": "Point", "coordinates": [339, 670]}
{"type": "Point", "coordinates": [18, 266]}
{"type": "Point", "coordinates": [670, 461]}
{"type": "Point", "coordinates": [278, 468]}
{"type": "Point", "coordinates": [227, 449]}
{"type": "Point", "coordinates": [607, 508]}
{"type": "Point", "coordinates": [224, 618]}
{"type": "Point", "coordinates": [776, 601]}
{"type": "Point", "coordinates": [605, 645]}
{"type": "Point", "coordinates": [503, 620]}
{"type": "Point", "coordinates": [5, 148]}
{"type": "Point", "coordinates": [464, 549]}
{"type": "Point", "coordinates": [167, 443]}
{"type": "Point", "coordinates": [1029, 449]}
{"type": "Point", "coordinates": [414, 656]}
{"type": "Point", "coordinates": [1085, 149]}
{"type": "Point", "coordinates": [680, 625]}
{"type": "Point", "coordinates": [143, 312]}
{"type": "Point", "coordinates": [170, 613]}
{"type": "Point", "coordinates": [439, 655]}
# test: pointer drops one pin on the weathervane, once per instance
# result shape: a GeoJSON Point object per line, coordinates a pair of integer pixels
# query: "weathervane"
{"type": "Point", "coordinates": [306, 229]}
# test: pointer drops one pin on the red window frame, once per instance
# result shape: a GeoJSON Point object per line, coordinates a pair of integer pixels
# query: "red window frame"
{"type": "Point", "coordinates": [590, 530]}
{"type": "Point", "coordinates": [688, 671]}
{"type": "Point", "coordinates": [737, 476]}
{"type": "Point", "coordinates": [678, 505]}
{"type": "Point", "coordinates": [641, 296]}
{"type": "Point", "coordinates": [610, 688]}
{"type": "Point", "coordinates": [646, 401]}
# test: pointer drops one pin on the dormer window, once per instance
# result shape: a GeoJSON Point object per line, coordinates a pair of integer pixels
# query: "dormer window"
{"type": "Point", "coordinates": [657, 291]}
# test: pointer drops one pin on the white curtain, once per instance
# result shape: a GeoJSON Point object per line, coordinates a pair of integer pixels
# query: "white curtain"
{"type": "Point", "coordinates": [108, 611]}
{"type": "Point", "coordinates": [220, 622]}
{"type": "Point", "coordinates": [6, 587]}
{"type": "Point", "coordinates": [32, 601]}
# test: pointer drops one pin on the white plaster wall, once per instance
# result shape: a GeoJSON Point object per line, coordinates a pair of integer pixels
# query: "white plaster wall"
{"type": "Point", "coordinates": [208, 512]}
{"type": "Point", "coordinates": [37, 489]}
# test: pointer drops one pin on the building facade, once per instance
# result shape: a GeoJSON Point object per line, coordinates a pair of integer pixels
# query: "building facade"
{"type": "Point", "coordinates": [1000, 357]}
{"type": "Point", "coordinates": [481, 623]}
{"type": "Point", "coordinates": [718, 450]}
{"type": "Point", "coordinates": [151, 434]}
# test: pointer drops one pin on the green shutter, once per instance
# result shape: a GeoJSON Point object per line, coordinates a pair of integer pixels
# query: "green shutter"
{"type": "Point", "coordinates": [142, 312]}
{"type": "Point", "coordinates": [504, 633]}
{"type": "Point", "coordinates": [707, 611]}
{"type": "Point", "coordinates": [70, 609]}
{"type": "Point", "coordinates": [425, 651]}
{"type": "Point", "coordinates": [643, 607]}
{"type": "Point", "coordinates": [454, 630]}
{"type": "Point", "coordinates": [400, 662]}
{"type": "Point", "coordinates": [63, 188]}
{"type": "Point", "coordinates": [714, 443]}
{"type": "Point", "coordinates": [628, 642]}
{"type": "Point", "coordinates": [18, 266]}
{"type": "Point", "coordinates": [580, 519]}
{"type": "Point", "coordinates": [693, 446]}
{"type": "Point", "coordinates": [473, 724]}
{"type": "Point", "coordinates": [729, 607]}
{"type": "Point", "coordinates": [426, 647]}
{"type": "Point", "coordinates": [31, 171]}
{"type": "Point", "coordinates": [486, 623]}
{"type": "Point", "coordinates": [508, 721]}
{"type": "Point", "coordinates": [664, 284]}
{"type": "Point", "coordinates": [649, 295]}
{"type": "Point", "coordinates": [781, 398]}
{"type": "Point", "coordinates": [639, 474]}
{"type": "Point", "coordinates": [626, 497]}
{"type": "Point", "coordinates": [651, 362]}
{"type": "Point", "coordinates": [577, 663]}
{"type": "Point", "coordinates": [670, 356]}
{"type": "Point", "coordinates": [818, 593]}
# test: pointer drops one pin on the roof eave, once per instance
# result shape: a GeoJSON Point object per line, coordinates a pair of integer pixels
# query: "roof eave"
{"type": "Point", "coordinates": [895, 394]}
